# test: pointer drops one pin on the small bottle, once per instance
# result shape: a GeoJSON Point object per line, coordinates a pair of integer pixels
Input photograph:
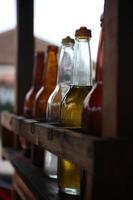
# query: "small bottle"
{"type": "Point", "coordinates": [92, 108]}
{"type": "Point", "coordinates": [30, 96]}
{"type": "Point", "coordinates": [72, 104]}
{"type": "Point", "coordinates": [49, 83]}
{"type": "Point", "coordinates": [54, 101]}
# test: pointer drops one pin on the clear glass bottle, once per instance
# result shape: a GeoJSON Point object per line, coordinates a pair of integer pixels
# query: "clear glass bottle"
{"type": "Point", "coordinates": [92, 107]}
{"type": "Point", "coordinates": [54, 101]}
{"type": "Point", "coordinates": [72, 104]}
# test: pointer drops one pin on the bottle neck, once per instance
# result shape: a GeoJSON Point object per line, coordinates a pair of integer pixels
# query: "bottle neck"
{"type": "Point", "coordinates": [82, 68]}
{"type": "Point", "coordinates": [65, 65]}
{"type": "Point", "coordinates": [51, 71]}
{"type": "Point", "coordinates": [100, 57]}
{"type": "Point", "coordinates": [38, 71]}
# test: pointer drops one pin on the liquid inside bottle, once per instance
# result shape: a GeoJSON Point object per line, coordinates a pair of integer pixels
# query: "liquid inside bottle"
{"type": "Point", "coordinates": [72, 105]}
{"type": "Point", "coordinates": [54, 101]}
{"type": "Point", "coordinates": [68, 171]}
{"type": "Point", "coordinates": [92, 107]}
{"type": "Point", "coordinates": [49, 82]}
{"type": "Point", "coordinates": [30, 97]}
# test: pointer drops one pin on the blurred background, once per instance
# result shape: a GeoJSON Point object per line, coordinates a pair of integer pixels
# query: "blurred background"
{"type": "Point", "coordinates": [53, 20]}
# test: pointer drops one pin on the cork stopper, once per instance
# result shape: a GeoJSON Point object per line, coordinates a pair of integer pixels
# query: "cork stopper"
{"type": "Point", "coordinates": [83, 32]}
{"type": "Point", "coordinates": [68, 40]}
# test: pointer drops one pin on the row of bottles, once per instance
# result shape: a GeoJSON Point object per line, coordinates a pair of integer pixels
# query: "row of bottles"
{"type": "Point", "coordinates": [63, 93]}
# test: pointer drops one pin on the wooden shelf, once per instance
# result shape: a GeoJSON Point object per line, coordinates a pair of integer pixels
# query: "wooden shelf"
{"type": "Point", "coordinates": [104, 160]}
{"type": "Point", "coordinates": [41, 186]}
{"type": "Point", "coordinates": [60, 141]}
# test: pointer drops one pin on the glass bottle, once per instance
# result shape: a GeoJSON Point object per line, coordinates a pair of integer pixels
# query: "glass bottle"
{"type": "Point", "coordinates": [39, 108]}
{"type": "Point", "coordinates": [54, 101]}
{"type": "Point", "coordinates": [36, 84]}
{"type": "Point", "coordinates": [30, 96]}
{"type": "Point", "coordinates": [49, 83]}
{"type": "Point", "coordinates": [92, 108]}
{"type": "Point", "coordinates": [71, 107]}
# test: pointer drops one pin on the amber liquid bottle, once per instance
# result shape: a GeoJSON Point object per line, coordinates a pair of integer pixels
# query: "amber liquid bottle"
{"type": "Point", "coordinates": [92, 109]}
{"type": "Point", "coordinates": [72, 104]}
{"type": "Point", "coordinates": [36, 84]}
{"type": "Point", "coordinates": [49, 83]}
{"type": "Point", "coordinates": [36, 152]}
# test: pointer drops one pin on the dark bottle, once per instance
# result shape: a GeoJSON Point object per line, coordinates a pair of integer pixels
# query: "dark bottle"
{"type": "Point", "coordinates": [92, 109]}
{"type": "Point", "coordinates": [37, 80]}
{"type": "Point", "coordinates": [36, 84]}
{"type": "Point", "coordinates": [49, 83]}
{"type": "Point", "coordinates": [72, 104]}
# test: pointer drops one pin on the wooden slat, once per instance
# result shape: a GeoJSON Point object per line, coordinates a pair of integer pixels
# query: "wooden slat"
{"type": "Point", "coordinates": [25, 52]}
{"type": "Point", "coordinates": [118, 70]}
{"type": "Point", "coordinates": [22, 190]}
{"type": "Point", "coordinates": [62, 142]}
{"type": "Point", "coordinates": [107, 162]}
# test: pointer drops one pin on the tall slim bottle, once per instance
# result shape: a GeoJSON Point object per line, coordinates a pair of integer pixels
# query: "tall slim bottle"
{"type": "Point", "coordinates": [49, 83]}
{"type": "Point", "coordinates": [72, 104]}
{"type": "Point", "coordinates": [92, 109]}
{"type": "Point", "coordinates": [54, 101]}
{"type": "Point", "coordinates": [30, 96]}
{"type": "Point", "coordinates": [36, 84]}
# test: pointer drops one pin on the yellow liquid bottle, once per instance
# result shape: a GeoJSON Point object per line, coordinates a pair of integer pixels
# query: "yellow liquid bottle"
{"type": "Point", "coordinates": [71, 107]}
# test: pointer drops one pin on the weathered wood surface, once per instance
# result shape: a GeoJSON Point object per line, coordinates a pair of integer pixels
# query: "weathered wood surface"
{"type": "Point", "coordinates": [107, 162]}
{"type": "Point", "coordinates": [118, 70]}
{"type": "Point", "coordinates": [60, 141]}
{"type": "Point", "coordinates": [25, 52]}
{"type": "Point", "coordinates": [41, 186]}
{"type": "Point", "coordinates": [20, 189]}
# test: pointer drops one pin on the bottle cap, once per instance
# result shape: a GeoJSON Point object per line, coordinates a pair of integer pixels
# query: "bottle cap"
{"type": "Point", "coordinates": [83, 32]}
{"type": "Point", "coordinates": [68, 40]}
{"type": "Point", "coordinates": [52, 48]}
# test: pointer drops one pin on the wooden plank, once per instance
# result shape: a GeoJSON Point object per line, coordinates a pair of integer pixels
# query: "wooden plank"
{"type": "Point", "coordinates": [43, 187]}
{"type": "Point", "coordinates": [62, 142]}
{"type": "Point", "coordinates": [22, 190]}
{"type": "Point", "coordinates": [25, 52]}
{"type": "Point", "coordinates": [118, 81]}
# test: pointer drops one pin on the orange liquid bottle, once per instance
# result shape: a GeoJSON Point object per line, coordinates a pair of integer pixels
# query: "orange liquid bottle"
{"type": "Point", "coordinates": [92, 109]}
{"type": "Point", "coordinates": [40, 104]}
{"type": "Point", "coordinates": [49, 83]}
